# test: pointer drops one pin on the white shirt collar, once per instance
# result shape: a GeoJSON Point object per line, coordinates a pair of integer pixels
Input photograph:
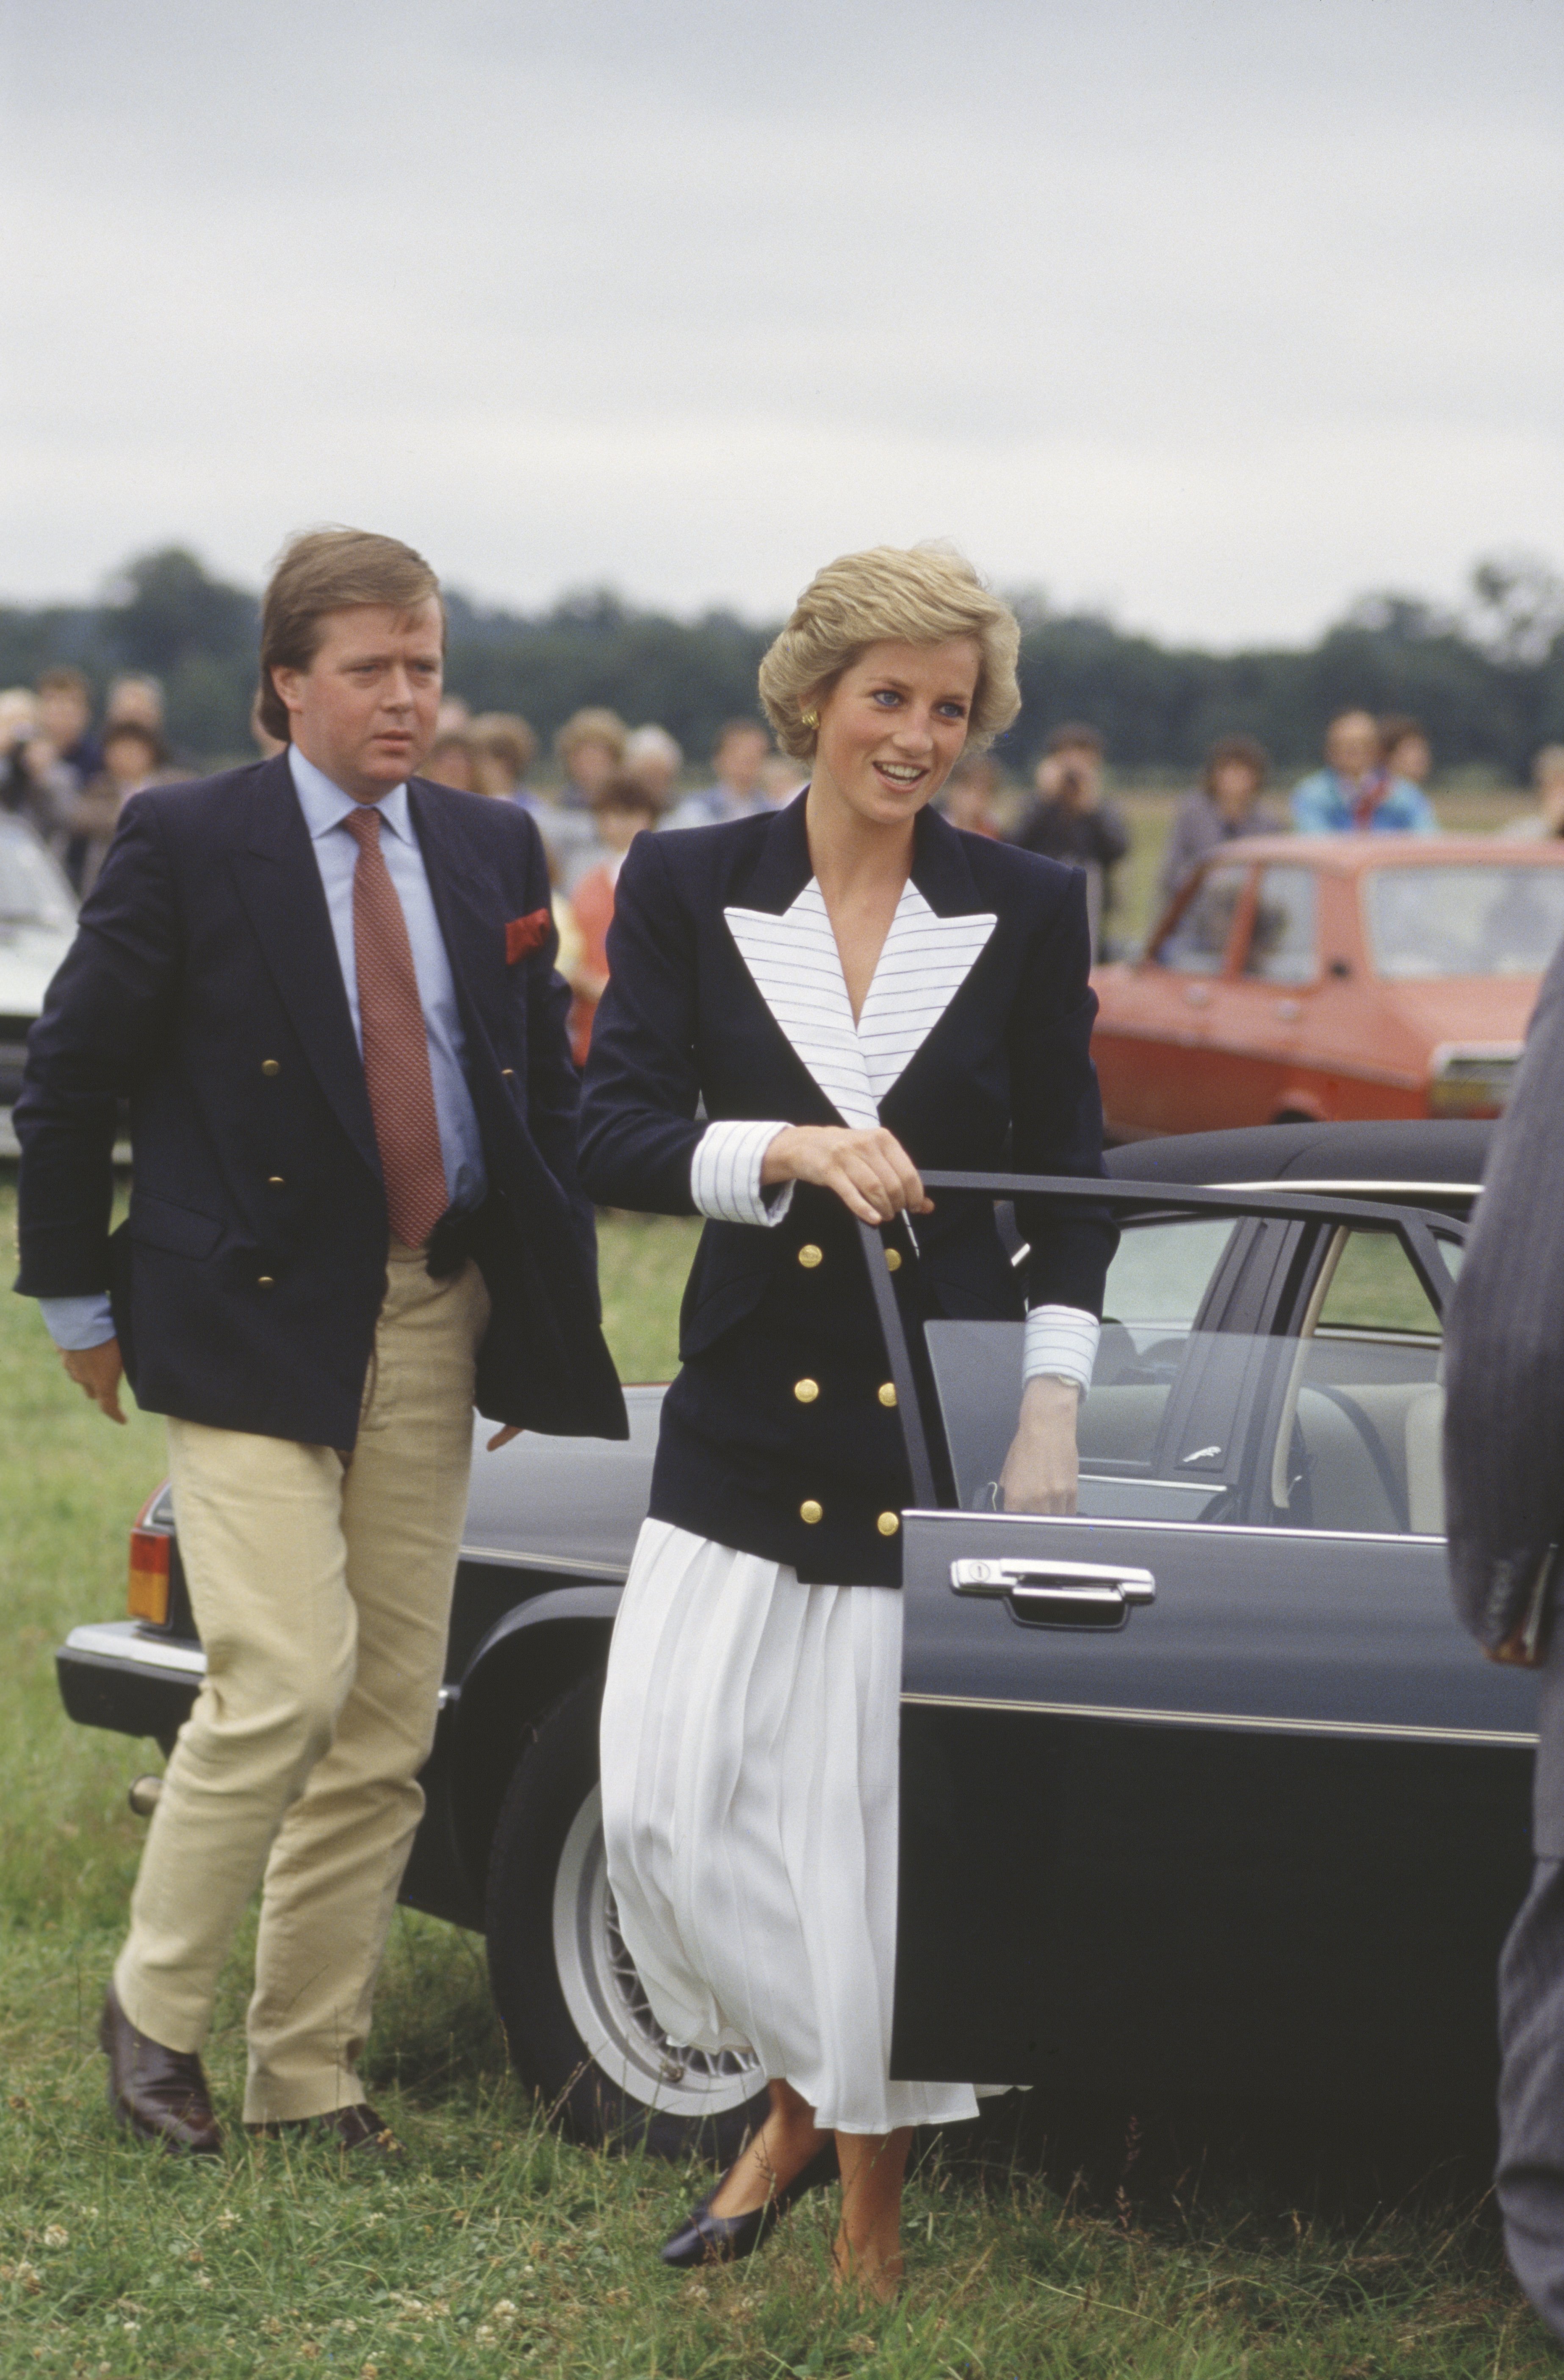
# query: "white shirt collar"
{"type": "Point", "coordinates": [325, 804]}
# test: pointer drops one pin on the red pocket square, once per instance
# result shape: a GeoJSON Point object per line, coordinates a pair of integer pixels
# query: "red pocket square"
{"type": "Point", "coordinates": [525, 935]}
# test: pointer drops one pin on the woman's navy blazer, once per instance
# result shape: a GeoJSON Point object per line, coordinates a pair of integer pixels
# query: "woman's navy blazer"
{"type": "Point", "coordinates": [204, 987]}
{"type": "Point", "coordinates": [1003, 1080]}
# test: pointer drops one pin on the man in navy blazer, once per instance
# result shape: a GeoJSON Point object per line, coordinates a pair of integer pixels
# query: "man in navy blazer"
{"type": "Point", "coordinates": [327, 990]}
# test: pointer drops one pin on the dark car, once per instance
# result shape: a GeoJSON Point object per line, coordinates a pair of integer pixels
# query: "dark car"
{"type": "Point", "coordinates": [37, 927]}
{"type": "Point", "coordinates": [1202, 1788]}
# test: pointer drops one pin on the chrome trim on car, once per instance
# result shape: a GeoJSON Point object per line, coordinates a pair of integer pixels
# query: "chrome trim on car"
{"type": "Point", "coordinates": [1388, 1190]}
{"type": "Point", "coordinates": [1204, 1528]}
{"type": "Point", "coordinates": [1386, 1731]}
{"type": "Point", "coordinates": [125, 1640]}
{"type": "Point", "coordinates": [569, 1563]}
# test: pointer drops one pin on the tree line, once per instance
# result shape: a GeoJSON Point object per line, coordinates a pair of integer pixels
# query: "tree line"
{"type": "Point", "coordinates": [1487, 681]}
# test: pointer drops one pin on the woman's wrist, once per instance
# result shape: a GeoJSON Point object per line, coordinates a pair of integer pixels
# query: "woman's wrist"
{"type": "Point", "coordinates": [778, 1165]}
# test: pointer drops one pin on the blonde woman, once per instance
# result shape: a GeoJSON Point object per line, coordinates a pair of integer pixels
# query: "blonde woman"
{"type": "Point", "coordinates": [804, 1007]}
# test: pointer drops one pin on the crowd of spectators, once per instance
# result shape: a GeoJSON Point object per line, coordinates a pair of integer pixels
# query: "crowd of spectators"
{"type": "Point", "coordinates": [71, 778]}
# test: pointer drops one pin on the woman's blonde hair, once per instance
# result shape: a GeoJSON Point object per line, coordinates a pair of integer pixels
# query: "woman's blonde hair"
{"type": "Point", "coordinates": [919, 595]}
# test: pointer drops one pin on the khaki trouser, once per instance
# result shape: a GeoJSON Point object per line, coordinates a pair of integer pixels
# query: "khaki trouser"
{"type": "Point", "coordinates": [322, 1589]}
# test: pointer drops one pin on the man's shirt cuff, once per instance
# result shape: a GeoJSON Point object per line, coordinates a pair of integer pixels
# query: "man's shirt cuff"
{"type": "Point", "coordinates": [77, 1323]}
{"type": "Point", "coordinates": [725, 1174]}
{"type": "Point", "coordinates": [1060, 1342]}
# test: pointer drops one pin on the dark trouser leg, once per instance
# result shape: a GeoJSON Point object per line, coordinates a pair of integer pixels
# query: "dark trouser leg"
{"type": "Point", "coordinates": [1531, 2104]}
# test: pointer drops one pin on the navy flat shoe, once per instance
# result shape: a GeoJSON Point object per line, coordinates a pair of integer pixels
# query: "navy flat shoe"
{"type": "Point", "coordinates": [706, 2239]}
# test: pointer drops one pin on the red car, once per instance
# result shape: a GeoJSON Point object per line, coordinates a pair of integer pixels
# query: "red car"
{"type": "Point", "coordinates": [1328, 978]}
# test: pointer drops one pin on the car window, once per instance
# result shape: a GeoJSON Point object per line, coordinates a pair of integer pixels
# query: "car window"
{"type": "Point", "coordinates": [1161, 1274]}
{"type": "Point", "coordinates": [1474, 918]}
{"type": "Point", "coordinates": [1372, 1291]}
{"type": "Point", "coordinates": [1335, 1427]}
{"type": "Point", "coordinates": [1197, 944]}
{"type": "Point", "coordinates": [1281, 947]}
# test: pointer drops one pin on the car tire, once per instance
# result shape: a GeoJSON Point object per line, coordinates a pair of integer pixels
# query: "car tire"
{"type": "Point", "coordinates": [576, 2023]}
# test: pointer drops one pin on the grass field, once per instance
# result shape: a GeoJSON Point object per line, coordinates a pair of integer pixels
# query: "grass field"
{"type": "Point", "coordinates": [1059, 2240]}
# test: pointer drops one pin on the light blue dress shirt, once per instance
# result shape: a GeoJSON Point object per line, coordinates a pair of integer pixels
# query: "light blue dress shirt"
{"type": "Point", "coordinates": [79, 1322]}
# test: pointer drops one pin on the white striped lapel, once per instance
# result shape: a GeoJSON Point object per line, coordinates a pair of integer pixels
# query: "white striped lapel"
{"type": "Point", "coordinates": [797, 971]}
{"type": "Point", "coordinates": [926, 961]}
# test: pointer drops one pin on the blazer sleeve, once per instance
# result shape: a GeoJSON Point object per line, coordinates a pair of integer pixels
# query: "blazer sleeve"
{"type": "Point", "coordinates": [1056, 1106]}
{"type": "Point", "coordinates": [1504, 1350]}
{"type": "Point", "coordinates": [642, 1088]}
{"type": "Point", "coordinates": [107, 1009]}
{"type": "Point", "coordinates": [553, 1086]}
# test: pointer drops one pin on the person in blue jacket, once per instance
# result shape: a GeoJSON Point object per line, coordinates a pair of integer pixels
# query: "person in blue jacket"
{"type": "Point", "coordinates": [1356, 793]}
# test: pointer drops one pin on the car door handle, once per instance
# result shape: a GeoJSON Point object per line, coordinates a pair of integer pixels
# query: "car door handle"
{"type": "Point", "coordinates": [1058, 1594]}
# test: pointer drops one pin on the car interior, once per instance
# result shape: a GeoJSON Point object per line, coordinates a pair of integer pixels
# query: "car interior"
{"type": "Point", "coordinates": [1334, 1427]}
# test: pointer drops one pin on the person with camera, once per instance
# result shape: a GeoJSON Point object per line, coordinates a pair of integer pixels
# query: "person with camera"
{"type": "Point", "coordinates": [1071, 821]}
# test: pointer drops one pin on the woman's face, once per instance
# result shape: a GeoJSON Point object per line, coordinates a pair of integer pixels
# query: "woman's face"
{"type": "Point", "coordinates": [1235, 788]}
{"type": "Point", "coordinates": [591, 764]}
{"type": "Point", "coordinates": [892, 728]}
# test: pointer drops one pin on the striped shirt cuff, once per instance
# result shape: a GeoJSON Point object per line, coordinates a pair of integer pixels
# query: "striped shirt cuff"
{"type": "Point", "coordinates": [725, 1174]}
{"type": "Point", "coordinates": [1061, 1342]}
{"type": "Point", "coordinates": [77, 1323]}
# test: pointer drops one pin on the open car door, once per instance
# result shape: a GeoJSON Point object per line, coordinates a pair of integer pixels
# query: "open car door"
{"type": "Point", "coordinates": [1203, 1786]}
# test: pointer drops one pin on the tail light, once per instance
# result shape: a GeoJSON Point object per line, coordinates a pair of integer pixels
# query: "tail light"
{"type": "Point", "coordinates": [151, 1547]}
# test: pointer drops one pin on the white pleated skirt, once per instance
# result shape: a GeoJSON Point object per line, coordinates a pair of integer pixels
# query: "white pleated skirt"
{"type": "Point", "coordinates": [750, 1730]}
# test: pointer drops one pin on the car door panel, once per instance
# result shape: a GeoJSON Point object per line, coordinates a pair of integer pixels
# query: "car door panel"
{"type": "Point", "coordinates": [1267, 1830]}
{"type": "Point", "coordinates": [1096, 1903]}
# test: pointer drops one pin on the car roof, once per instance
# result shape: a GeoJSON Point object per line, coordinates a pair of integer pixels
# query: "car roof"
{"type": "Point", "coordinates": [1448, 1151]}
{"type": "Point", "coordinates": [1350, 854]}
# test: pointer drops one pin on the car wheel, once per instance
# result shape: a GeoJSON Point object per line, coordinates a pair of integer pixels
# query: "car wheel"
{"type": "Point", "coordinates": [576, 2020]}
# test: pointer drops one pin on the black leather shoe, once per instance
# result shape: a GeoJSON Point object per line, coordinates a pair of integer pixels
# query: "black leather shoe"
{"type": "Point", "coordinates": [706, 2239]}
{"type": "Point", "coordinates": [159, 2095]}
{"type": "Point", "coordinates": [352, 2130]}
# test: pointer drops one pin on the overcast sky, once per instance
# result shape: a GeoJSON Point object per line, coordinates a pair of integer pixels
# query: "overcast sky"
{"type": "Point", "coordinates": [1215, 313]}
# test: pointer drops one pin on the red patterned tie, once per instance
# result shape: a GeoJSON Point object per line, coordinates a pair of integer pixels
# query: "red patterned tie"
{"type": "Point", "coordinates": [391, 1018]}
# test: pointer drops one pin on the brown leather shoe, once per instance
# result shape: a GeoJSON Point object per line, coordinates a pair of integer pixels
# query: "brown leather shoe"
{"type": "Point", "coordinates": [159, 2095]}
{"type": "Point", "coordinates": [349, 2129]}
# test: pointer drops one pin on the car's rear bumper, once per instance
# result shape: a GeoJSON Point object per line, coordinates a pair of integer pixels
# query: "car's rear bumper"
{"type": "Point", "coordinates": [119, 1674]}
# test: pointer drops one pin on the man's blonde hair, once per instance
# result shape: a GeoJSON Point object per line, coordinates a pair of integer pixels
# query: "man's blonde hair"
{"type": "Point", "coordinates": [918, 595]}
{"type": "Point", "coordinates": [328, 570]}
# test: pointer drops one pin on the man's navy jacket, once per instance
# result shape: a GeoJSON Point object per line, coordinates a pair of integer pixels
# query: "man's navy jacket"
{"type": "Point", "coordinates": [204, 987]}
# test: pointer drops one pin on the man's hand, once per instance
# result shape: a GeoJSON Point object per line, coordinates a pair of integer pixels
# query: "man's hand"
{"type": "Point", "coordinates": [1042, 1467]}
{"type": "Point", "coordinates": [870, 1172]}
{"type": "Point", "coordinates": [98, 1372]}
{"type": "Point", "coordinates": [504, 1437]}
